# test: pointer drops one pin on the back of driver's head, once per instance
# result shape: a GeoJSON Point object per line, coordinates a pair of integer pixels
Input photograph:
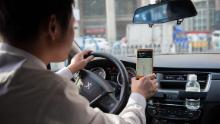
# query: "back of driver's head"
{"type": "Point", "coordinates": [22, 20]}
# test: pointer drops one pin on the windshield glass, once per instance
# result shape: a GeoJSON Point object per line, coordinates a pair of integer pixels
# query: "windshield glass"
{"type": "Point", "coordinates": [106, 26]}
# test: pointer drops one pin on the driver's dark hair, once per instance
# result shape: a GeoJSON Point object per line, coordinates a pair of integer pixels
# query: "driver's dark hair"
{"type": "Point", "coordinates": [21, 20]}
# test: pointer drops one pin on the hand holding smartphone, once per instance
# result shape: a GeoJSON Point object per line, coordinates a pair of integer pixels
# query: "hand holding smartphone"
{"type": "Point", "coordinates": [144, 64]}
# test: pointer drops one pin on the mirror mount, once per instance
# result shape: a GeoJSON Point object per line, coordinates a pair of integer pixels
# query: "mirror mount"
{"type": "Point", "coordinates": [151, 25]}
{"type": "Point", "coordinates": [160, 1]}
{"type": "Point", "coordinates": [179, 21]}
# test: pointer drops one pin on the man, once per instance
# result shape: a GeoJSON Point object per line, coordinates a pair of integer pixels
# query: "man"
{"type": "Point", "coordinates": [35, 33]}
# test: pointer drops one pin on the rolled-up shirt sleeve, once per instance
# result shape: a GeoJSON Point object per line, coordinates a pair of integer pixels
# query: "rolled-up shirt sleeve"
{"type": "Point", "coordinates": [66, 73]}
{"type": "Point", "coordinates": [134, 112]}
{"type": "Point", "coordinates": [136, 98]}
{"type": "Point", "coordinates": [67, 106]}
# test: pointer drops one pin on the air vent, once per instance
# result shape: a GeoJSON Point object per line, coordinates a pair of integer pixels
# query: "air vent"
{"type": "Point", "coordinates": [177, 81]}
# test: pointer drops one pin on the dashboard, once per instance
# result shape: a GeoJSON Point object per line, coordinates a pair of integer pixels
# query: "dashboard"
{"type": "Point", "coordinates": [108, 71]}
{"type": "Point", "coordinates": [168, 104]}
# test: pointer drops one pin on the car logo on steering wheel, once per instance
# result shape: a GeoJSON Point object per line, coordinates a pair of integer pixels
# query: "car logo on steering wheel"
{"type": "Point", "coordinates": [88, 85]}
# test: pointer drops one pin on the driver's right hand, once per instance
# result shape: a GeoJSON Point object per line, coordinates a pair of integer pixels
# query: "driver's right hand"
{"type": "Point", "coordinates": [146, 86]}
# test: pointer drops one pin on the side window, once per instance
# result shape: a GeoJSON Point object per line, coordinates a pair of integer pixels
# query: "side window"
{"type": "Point", "coordinates": [58, 65]}
{"type": "Point", "coordinates": [0, 38]}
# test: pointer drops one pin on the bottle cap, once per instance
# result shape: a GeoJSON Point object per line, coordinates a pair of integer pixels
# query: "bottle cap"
{"type": "Point", "coordinates": [192, 77]}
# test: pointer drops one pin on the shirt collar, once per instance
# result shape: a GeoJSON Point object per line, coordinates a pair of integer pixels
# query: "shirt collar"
{"type": "Point", "coordinates": [31, 60]}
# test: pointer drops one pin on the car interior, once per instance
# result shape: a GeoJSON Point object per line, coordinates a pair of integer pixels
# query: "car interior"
{"type": "Point", "coordinates": [111, 75]}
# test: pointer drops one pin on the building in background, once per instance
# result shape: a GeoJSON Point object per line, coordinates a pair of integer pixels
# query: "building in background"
{"type": "Point", "coordinates": [217, 15]}
{"type": "Point", "coordinates": [199, 29]}
{"type": "Point", "coordinates": [94, 21]}
{"type": "Point", "coordinates": [205, 19]}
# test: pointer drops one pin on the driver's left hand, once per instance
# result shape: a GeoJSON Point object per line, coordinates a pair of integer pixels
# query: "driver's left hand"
{"type": "Point", "coordinates": [79, 61]}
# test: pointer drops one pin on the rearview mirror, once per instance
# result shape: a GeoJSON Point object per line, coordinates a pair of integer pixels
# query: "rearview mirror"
{"type": "Point", "coordinates": [166, 11]}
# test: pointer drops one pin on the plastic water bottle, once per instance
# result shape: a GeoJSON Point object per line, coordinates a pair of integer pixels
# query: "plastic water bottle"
{"type": "Point", "coordinates": [192, 86]}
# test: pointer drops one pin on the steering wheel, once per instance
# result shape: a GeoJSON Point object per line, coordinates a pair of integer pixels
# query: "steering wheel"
{"type": "Point", "coordinates": [99, 91]}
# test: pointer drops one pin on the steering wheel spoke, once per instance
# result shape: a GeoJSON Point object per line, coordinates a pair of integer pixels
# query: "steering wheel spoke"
{"type": "Point", "coordinates": [107, 102]}
{"type": "Point", "coordinates": [98, 98]}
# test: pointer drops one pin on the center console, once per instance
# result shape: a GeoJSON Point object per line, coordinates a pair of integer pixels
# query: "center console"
{"type": "Point", "coordinates": [168, 104]}
{"type": "Point", "coordinates": [168, 107]}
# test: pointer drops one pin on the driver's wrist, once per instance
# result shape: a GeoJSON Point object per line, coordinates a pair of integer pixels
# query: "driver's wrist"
{"type": "Point", "coordinates": [137, 98]}
{"type": "Point", "coordinates": [74, 74]}
{"type": "Point", "coordinates": [65, 72]}
{"type": "Point", "coordinates": [72, 69]}
{"type": "Point", "coordinates": [136, 92]}
{"type": "Point", "coordinates": [139, 92]}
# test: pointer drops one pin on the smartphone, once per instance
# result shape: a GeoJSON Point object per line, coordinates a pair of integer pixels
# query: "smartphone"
{"type": "Point", "coordinates": [144, 64]}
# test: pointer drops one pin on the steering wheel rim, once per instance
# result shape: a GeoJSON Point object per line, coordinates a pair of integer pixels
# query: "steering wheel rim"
{"type": "Point", "coordinates": [124, 93]}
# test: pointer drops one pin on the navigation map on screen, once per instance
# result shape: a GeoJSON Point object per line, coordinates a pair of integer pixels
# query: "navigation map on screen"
{"type": "Point", "coordinates": [144, 62]}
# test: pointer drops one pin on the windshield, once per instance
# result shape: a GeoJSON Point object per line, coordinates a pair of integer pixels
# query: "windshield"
{"type": "Point", "coordinates": [106, 26]}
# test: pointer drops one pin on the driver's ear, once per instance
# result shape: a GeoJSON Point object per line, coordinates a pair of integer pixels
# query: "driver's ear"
{"type": "Point", "coordinates": [54, 29]}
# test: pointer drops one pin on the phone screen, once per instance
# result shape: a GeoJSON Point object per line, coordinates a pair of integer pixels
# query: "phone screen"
{"type": "Point", "coordinates": [144, 62]}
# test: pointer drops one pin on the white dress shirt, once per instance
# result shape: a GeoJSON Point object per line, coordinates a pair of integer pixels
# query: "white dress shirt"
{"type": "Point", "coordinates": [32, 94]}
